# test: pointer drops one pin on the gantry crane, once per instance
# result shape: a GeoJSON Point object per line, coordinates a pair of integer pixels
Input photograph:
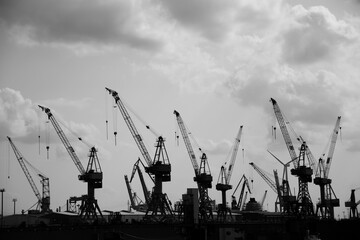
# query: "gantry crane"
{"type": "Point", "coordinates": [301, 169]}
{"type": "Point", "coordinates": [135, 202]}
{"type": "Point", "coordinates": [43, 203]}
{"type": "Point", "coordinates": [328, 199]}
{"type": "Point", "coordinates": [159, 208]}
{"type": "Point", "coordinates": [137, 169]}
{"type": "Point", "coordinates": [237, 205]}
{"type": "Point", "coordinates": [224, 178]}
{"type": "Point", "coordinates": [93, 175]}
{"type": "Point", "coordinates": [352, 204]}
{"type": "Point", "coordinates": [203, 176]}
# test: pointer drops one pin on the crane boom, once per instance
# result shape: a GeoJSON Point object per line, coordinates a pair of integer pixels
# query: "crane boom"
{"type": "Point", "coordinates": [189, 148]}
{"type": "Point", "coordinates": [142, 181]}
{"type": "Point", "coordinates": [159, 208]}
{"type": "Point", "coordinates": [245, 182]}
{"type": "Point", "coordinates": [332, 147]}
{"type": "Point", "coordinates": [284, 131]}
{"type": "Point", "coordinates": [20, 158]}
{"type": "Point", "coordinates": [261, 172]}
{"type": "Point", "coordinates": [203, 176]}
{"type": "Point", "coordinates": [263, 199]}
{"type": "Point", "coordinates": [64, 140]}
{"type": "Point", "coordinates": [233, 155]}
{"type": "Point", "coordinates": [132, 202]}
{"type": "Point", "coordinates": [137, 137]}
{"type": "Point", "coordinates": [44, 200]}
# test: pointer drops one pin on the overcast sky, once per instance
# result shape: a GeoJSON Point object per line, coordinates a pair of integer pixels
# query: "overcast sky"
{"type": "Point", "coordinates": [216, 62]}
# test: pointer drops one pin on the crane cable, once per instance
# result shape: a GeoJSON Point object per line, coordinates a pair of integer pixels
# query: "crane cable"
{"type": "Point", "coordinates": [8, 160]}
{"type": "Point", "coordinates": [115, 122]}
{"type": "Point", "coordinates": [47, 138]}
{"type": "Point", "coordinates": [176, 132]}
{"type": "Point", "coordinates": [74, 134]}
{"type": "Point", "coordinates": [39, 130]}
{"type": "Point", "coordinates": [106, 116]}
{"type": "Point", "coordinates": [130, 109]}
{"type": "Point", "coordinates": [153, 131]}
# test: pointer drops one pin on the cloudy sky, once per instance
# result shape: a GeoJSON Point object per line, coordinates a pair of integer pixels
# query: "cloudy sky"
{"type": "Point", "coordinates": [216, 62]}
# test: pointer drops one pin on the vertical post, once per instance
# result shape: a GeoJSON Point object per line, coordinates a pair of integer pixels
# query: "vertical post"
{"type": "Point", "coordinates": [2, 205]}
{"type": "Point", "coordinates": [14, 200]}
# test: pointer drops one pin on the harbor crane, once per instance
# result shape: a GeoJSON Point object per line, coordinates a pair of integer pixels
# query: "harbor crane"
{"type": "Point", "coordinates": [273, 184]}
{"type": "Point", "coordinates": [328, 199]}
{"type": "Point", "coordinates": [301, 169]}
{"type": "Point", "coordinates": [135, 202]}
{"type": "Point", "coordinates": [43, 203]}
{"type": "Point", "coordinates": [263, 200]}
{"type": "Point", "coordinates": [203, 176]}
{"type": "Point", "coordinates": [286, 199]}
{"type": "Point", "coordinates": [137, 169]}
{"type": "Point", "coordinates": [159, 208]}
{"type": "Point", "coordinates": [224, 178]}
{"type": "Point", "coordinates": [352, 204]}
{"type": "Point", "coordinates": [239, 204]}
{"type": "Point", "coordinates": [93, 175]}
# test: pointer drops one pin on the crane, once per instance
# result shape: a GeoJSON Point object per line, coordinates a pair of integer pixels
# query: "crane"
{"type": "Point", "coordinates": [263, 199]}
{"type": "Point", "coordinates": [352, 204]}
{"type": "Point", "coordinates": [93, 175]}
{"type": "Point", "coordinates": [135, 202]}
{"type": "Point", "coordinates": [284, 131]}
{"type": "Point", "coordinates": [203, 177]}
{"type": "Point", "coordinates": [286, 200]}
{"type": "Point", "coordinates": [273, 184]}
{"type": "Point", "coordinates": [301, 170]}
{"type": "Point", "coordinates": [245, 183]}
{"type": "Point", "coordinates": [159, 208]}
{"type": "Point", "coordinates": [43, 202]}
{"type": "Point", "coordinates": [264, 176]}
{"type": "Point", "coordinates": [136, 168]}
{"type": "Point", "coordinates": [224, 178]}
{"type": "Point", "coordinates": [327, 203]}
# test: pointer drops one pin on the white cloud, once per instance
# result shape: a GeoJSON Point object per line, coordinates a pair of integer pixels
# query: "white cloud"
{"type": "Point", "coordinates": [100, 23]}
{"type": "Point", "coordinates": [22, 119]}
{"type": "Point", "coordinates": [18, 117]}
{"type": "Point", "coordinates": [314, 35]}
{"type": "Point", "coordinates": [62, 102]}
{"type": "Point", "coordinates": [216, 147]}
{"type": "Point", "coordinates": [215, 20]}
